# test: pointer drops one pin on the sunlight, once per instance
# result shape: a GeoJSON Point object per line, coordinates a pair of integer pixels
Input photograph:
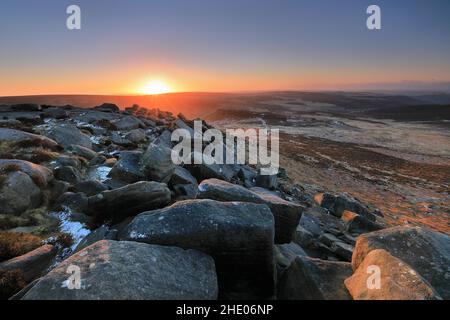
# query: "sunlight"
{"type": "Point", "coordinates": [155, 87]}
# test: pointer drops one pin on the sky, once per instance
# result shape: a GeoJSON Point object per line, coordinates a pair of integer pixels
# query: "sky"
{"type": "Point", "coordinates": [222, 45]}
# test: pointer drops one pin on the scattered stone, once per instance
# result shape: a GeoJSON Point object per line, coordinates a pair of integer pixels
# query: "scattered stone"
{"type": "Point", "coordinates": [75, 201]}
{"type": "Point", "coordinates": [127, 169]}
{"type": "Point", "coordinates": [26, 107]}
{"type": "Point", "coordinates": [358, 225]}
{"type": "Point", "coordinates": [115, 270]}
{"type": "Point", "coordinates": [136, 136]}
{"type": "Point", "coordinates": [128, 123]}
{"type": "Point", "coordinates": [56, 113]}
{"type": "Point", "coordinates": [314, 279]}
{"type": "Point", "coordinates": [130, 200]}
{"type": "Point", "coordinates": [157, 163]}
{"type": "Point", "coordinates": [247, 176]}
{"type": "Point", "coordinates": [68, 135]}
{"type": "Point", "coordinates": [184, 184]}
{"type": "Point", "coordinates": [108, 107]}
{"type": "Point", "coordinates": [90, 187]}
{"type": "Point", "coordinates": [68, 174]}
{"type": "Point", "coordinates": [119, 140]}
{"type": "Point", "coordinates": [26, 139]}
{"type": "Point", "coordinates": [67, 161]}
{"type": "Point", "coordinates": [285, 254]}
{"type": "Point", "coordinates": [84, 152]}
{"type": "Point", "coordinates": [266, 181]}
{"type": "Point", "coordinates": [101, 233]}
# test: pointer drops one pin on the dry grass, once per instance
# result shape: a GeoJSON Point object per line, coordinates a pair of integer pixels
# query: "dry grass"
{"type": "Point", "coordinates": [42, 155]}
{"type": "Point", "coordinates": [14, 244]}
{"type": "Point", "coordinates": [10, 167]}
{"type": "Point", "coordinates": [11, 282]}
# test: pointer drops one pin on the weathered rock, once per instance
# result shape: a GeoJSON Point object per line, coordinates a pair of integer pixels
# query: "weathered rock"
{"type": "Point", "coordinates": [67, 161]}
{"type": "Point", "coordinates": [314, 279]}
{"type": "Point", "coordinates": [248, 176]}
{"type": "Point", "coordinates": [18, 193]}
{"type": "Point", "coordinates": [130, 200]}
{"type": "Point", "coordinates": [136, 136]}
{"type": "Point", "coordinates": [181, 176]}
{"type": "Point", "coordinates": [68, 135]}
{"type": "Point", "coordinates": [359, 224]}
{"type": "Point", "coordinates": [128, 123]}
{"type": "Point", "coordinates": [127, 169]}
{"type": "Point", "coordinates": [426, 251]}
{"type": "Point", "coordinates": [157, 163]}
{"type": "Point", "coordinates": [56, 113]}
{"type": "Point", "coordinates": [101, 233]}
{"type": "Point", "coordinates": [26, 138]}
{"type": "Point", "coordinates": [32, 264]}
{"type": "Point", "coordinates": [75, 201]}
{"type": "Point", "coordinates": [285, 254]}
{"type": "Point", "coordinates": [183, 183]}
{"type": "Point", "coordinates": [107, 107]}
{"type": "Point", "coordinates": [340, 203]}
{"type": "Point", "coordinates": [164, 139]}
{"type": "Point", "coordinates": [97, 160]}
{"type": "Point", "coordinates": [204, 170]}
{"type": "Point", "coordinates": [238, 235]}
{"type": "Point", "coordinates": [131, 271]}
{"type": "Point", "coordinates": [266, 181]}
{"type": "Point", "coordinates": [398, 281]}
{"type": "Point", "coordinates": [26, 107]}
{"type": "Point", "coordinates": [185, 191]}
{"type": "Point", "coordinates": [84, 152]}
{"type": "Point", "coordinates": [303, 237]}
{"type": "Point", "coordinates": [287, 214]}
{"type": "Point", "coordinates": [40, 175]}
{"type": "Point", "coordinates": [90, 187]}
{"type": "Point", "coordinates": [68, 174]}
{"type": "Point", "coordinates": [119, 140]}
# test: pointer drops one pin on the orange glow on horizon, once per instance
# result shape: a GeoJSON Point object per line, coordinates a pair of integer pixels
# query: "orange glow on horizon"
{"type": "Point", "coordinates": [155, 87]}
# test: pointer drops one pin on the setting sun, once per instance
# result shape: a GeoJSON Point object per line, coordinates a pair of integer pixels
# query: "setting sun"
{"type": "Point", "coordinates": [155, 87]}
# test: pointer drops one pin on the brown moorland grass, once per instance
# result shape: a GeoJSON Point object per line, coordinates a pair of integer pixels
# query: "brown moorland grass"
{"type": "Point", "coordinates": [11, 282]}
{"type": "Point", "coordinates": [14, 244]}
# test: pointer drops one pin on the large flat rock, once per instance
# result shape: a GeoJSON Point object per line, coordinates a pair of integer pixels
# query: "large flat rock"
{"type": "Point", "coordinates": [112, 270]}
{"type": "Point", "coordinates": [239, 236]}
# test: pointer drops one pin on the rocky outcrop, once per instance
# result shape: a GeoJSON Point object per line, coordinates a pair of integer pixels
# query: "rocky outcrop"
{"type": "Point", "coordinates": [238, 235]}
{"type": "Point", "coordinates": [113, 270]}
{"type": "Point", "coordinates": [286, 214]}
{"type": "Point", "coordinates": [381, 276]}
{"type": "Point", "coordinates": [425, 251]}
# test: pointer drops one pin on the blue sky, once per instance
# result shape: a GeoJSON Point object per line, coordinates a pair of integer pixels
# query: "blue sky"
{"type": "Point", "coordinates": [214, 45]}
